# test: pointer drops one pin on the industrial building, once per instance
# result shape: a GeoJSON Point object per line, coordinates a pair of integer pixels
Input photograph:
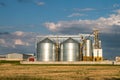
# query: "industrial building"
{"type": "Point", "coordinates": [81, 47]}
{"type": "Point", "coordinates": [17, 56]}
{"type": "Point", "coordinates": [14, 56]}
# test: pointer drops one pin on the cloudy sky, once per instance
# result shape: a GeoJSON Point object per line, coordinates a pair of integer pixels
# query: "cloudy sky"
{"type": "Point", "coordinates": [22, 20]}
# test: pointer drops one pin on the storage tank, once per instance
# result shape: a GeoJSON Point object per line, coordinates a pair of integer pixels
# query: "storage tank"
{"type": "Point", "coordinates": [70, 50]}
{"type": "Point", "coordinates": [46, 50]}
{"type": "Point", "coordinates": [87, 51]}
{"type": "Point", "coordinates": [89, 48]}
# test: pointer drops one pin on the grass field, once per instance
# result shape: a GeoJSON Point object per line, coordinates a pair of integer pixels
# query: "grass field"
{"type": "Point", "coordinates": [12, 70]}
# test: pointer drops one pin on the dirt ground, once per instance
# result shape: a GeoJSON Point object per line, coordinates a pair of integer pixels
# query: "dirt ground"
{"type": "Point", "coordinates": [66, 72]}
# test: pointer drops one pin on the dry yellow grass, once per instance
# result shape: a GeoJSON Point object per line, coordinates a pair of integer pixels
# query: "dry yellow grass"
{"type": "Point", "coordinates": [39, 72]}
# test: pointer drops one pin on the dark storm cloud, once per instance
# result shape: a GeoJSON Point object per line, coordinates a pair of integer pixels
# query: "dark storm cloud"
{"type": "Point", "coordinates": [4, 33]}
{"type": "Point", "coordinates": [16, 42]}
{"type": "Point", "coordinates": [18, 49]}
{"type": "Point", "coordinates": [111, 45]}
{"type": "Point", "coordinates": [110, 41]}
{"type": "Point", "coordinates": [21, 42]}
{"type": "Point", "coordinates": [109, 34]}
{"type": "Point", "coordinates": [2, 4]}
{"type": "Point", "coordinates": [76, 30]}
{"type": "Point", "coordinates": [109, 31]}
{"type": "Point", "coordinates": [110, 24]}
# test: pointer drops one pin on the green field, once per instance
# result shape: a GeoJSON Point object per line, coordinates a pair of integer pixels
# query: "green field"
{"type": "Point", "coordinates": [12, 70]}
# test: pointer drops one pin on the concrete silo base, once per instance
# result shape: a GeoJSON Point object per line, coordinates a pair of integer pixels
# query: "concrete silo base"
{"type": "Point", "coordinates": [79, 62]}
{"type": "Point", "coordinates": [87, 58]}
{"type": "Point", "coordinates": [97, 59]}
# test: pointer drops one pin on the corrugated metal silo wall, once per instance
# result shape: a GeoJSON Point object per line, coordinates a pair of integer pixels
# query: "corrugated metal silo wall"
{"type": "Point", "coordinates": [45, 51]}
{"type": "Point", "coordinates": [70, 51]}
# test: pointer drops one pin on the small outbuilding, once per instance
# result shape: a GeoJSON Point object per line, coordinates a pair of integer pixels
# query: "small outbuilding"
{"type": "Point", "coordinates": [17, 56]}
{"type": "Point", "coordinates": [14, 56]}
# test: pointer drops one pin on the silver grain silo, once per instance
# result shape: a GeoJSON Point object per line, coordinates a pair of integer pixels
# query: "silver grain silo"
{"type": "Point", "coordinates": [46, 50]}
{"type": "Point", "coordinates": [70, 50]}
{"type": "Point", "coordinates": [87, 50]}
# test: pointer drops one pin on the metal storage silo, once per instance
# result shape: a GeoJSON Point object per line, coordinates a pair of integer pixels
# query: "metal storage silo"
{"type": "Point", "coordinates": [70, 50]}
{"type": "Point", "coordinates": [46, 50]}
{"type": "Point", "coordinates": [87, 50]}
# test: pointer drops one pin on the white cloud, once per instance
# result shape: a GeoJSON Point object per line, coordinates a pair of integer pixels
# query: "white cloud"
{"type": "Point", "coordinates": [76, 15]}
{"type": "Point", "coordinates": [84, 9]}
{"type": "Point", "coordinates": [19, 33]}
{"type": "Point", "coordinates": [36, 2]}
{"type": "Point", "coordinates": [52, 26]}
{"type": "Point", "coordinates": [117, 11]}
{"type": "Point", "coordinates": [20, 42]}
{"type": "Point", "coordinates": [2, 41]}
{"type": "Point", "coordinates": [40, 3]}
{"type": "Point", "coordinates": [106, 25]}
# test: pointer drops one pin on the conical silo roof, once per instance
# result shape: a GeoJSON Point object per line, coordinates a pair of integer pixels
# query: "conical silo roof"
{"type": "Point", "coordinates": [70, 40]}
{"type": "Point", "coordinates": [46, 40]}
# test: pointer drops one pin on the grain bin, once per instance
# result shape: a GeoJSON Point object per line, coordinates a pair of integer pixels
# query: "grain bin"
{"type": "Point", "coordinates": [69, 50]}
{"type": "Point", "coordinates": [46, 50]}
{"type": "Point", "coordinates": [87, 50]}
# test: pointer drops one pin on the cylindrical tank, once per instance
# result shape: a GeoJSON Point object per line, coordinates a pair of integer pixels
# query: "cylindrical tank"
{"type": "Point", "coordinates": [99, 43]}
{"type": "Point", "coordinates": [87, 50]}
{"type": "Point", "coordinates": [46, 50]}
{"type": "Point", "coordinates": [70, 50]}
